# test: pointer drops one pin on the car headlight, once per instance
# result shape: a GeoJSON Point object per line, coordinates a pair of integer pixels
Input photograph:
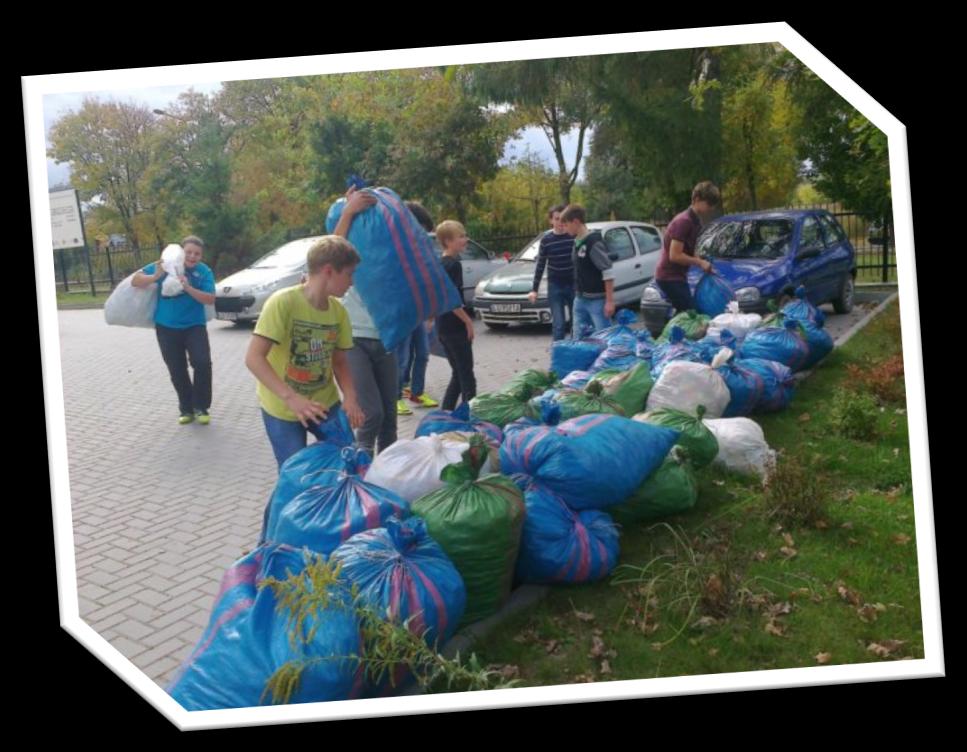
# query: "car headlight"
{"type": "Point", "coordinates": [747, 294]}
{"type": "Point", "coordinates": [480, 288]}
{"type": "Point", "coordinates": [542, 289]}
{"type": "Point", "coordinates": [652, 295]}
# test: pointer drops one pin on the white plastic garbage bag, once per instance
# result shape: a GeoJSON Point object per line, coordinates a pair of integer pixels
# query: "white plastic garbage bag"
{"type": "Point", "coordinates": [742, 446]}
{"type": "Point", "coordinates": [131, 306]}
{"type": "Point", "coordinates": [740, 324]}
{"type": "Point", "coordinates": [411, 467]}
{"type": "Point", "coordinates": [684, 386]}
{"type": "Point", "coordinates": [173, 262]}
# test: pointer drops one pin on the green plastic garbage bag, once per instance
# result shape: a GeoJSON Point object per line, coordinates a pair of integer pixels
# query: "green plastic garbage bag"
{"type": "Point", "coordinates": [701, 443]}
{"type": "Point", "coordinates": [478, 523]}
{"type": "Point", "coordinates": [577, 402]}
{"type": "Point", "coordinates": [529, 383]}
{"type": "Point", "coordinates": [695, 325]}
{"type": "Point", "coordinates": [671, 489]}
{"type": "Point", "coordinates": [501, 409]}
{"type": "Point", "coordinates": [629, 388]}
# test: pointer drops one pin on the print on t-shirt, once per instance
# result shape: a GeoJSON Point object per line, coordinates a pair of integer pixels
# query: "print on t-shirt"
{"type": "Point", "coordinates": [310, 355]}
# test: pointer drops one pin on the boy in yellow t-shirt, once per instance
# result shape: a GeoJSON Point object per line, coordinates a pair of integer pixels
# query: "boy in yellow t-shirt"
{"type": "Point", "coordinates": [298, 354]}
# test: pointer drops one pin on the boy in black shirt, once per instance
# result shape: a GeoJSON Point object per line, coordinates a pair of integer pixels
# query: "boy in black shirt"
{"type": "Point", "coordinates": [455, 329]}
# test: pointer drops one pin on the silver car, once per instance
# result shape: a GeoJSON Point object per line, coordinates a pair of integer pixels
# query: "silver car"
{"type": "Point", "coordinates": [240, 296]}
{"type": "Point", "coordinates": [634, 248]}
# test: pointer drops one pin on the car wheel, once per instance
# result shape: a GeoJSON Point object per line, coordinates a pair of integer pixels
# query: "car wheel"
{"type": "Point", "coordinates": [844, 301]}
{"type": "Point", "coordinates": [492, 325]}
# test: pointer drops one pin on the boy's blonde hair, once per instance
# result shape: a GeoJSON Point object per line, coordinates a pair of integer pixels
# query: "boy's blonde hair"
{"type": "Point", "coordinates": [448, 230]}
{"type": "Point", "coordinates": [333, 250]}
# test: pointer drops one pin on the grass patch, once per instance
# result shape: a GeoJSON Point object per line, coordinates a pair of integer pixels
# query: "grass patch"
{"type": "Point", "coordinates": [817, 568]}
{"type": "Point", "coordinates": [80, 298]}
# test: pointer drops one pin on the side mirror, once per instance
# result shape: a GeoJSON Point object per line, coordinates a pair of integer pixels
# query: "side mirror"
{"type": "Point", "coordinates": [612, 255]}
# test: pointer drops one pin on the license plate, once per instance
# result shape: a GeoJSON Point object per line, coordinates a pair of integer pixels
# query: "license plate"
{"type": "Point", "coordinates": [505, 307]}
{"type": "Point", "coordinates": [227, 316]}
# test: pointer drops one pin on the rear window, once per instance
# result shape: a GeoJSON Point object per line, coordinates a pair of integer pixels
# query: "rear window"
{"type": "Point", "coordinates": [754, 238]}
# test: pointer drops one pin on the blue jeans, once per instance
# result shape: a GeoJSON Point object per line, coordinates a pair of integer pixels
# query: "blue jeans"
{"type": "Point", "coordinates": [561, 298]}
{"type": "Point", "coordinates": [288, 436]}
{"type": "Point", "coordinates": [589, 312]}
{"type": "Point", "coordinates": [412, 356]}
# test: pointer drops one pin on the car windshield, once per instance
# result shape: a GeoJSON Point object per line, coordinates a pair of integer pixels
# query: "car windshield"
{"type": "Point", "coordinates": [287, 256]}
{"type": "Point", "coordinates": [754, 238]}
{"type": "Point", "coordinates": [530, 250]}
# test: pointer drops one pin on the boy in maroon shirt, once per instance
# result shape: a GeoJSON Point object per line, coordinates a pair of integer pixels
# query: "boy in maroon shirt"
{"type": "Point", "coordinates": [678, 246]}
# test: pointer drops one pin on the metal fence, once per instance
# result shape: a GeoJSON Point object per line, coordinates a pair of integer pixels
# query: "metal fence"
{"type": "Point", "coordinates": [93, 271]}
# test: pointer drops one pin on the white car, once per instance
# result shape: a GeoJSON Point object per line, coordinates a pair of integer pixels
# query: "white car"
{"type": "Point", "coordinates": [634, 248]}
{"type": "Point", "coordinates": [240, 296]}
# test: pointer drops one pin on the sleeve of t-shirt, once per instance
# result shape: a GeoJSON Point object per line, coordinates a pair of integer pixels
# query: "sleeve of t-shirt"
{"type": "Point", "coordinates": [345, 339]}
{"type": "Point", "coordinates": [273, 321]}
{"type": "Point", "coordinates": [600, 258]}
{"type": "Point", "coordinates": [208, 281]}
{"type": "Point", "coordinates": [676, 230]}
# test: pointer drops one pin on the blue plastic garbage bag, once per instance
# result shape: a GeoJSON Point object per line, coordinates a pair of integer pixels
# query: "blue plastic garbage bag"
{"type": "Point", "coordinates": [676, 348]}
{"type": "Point", "coordinates": [402, 572]}
{"type": "Point", "coordinates": [802, 310]}
{"type": "Point", "coordinates": [786, 345]}
{"type": "Point", "coordinates": [746, 387]}
{"type": "Point", "coordinates": [778, 384]}
{"type": "Point", "coordinates": [401, 279]}
{"type": "Point", "coordinates": [247, 640]}
{"type": "Point", "coordinates": [710, 345]}
{"type": "Point", "coordinates": [623, 320]}
{"type": "Point", "coordinates": [560, 545]}
{"type": "Point", "coordinates": [646, 344]}
{"type": "Point", "coordinates": [569, 355]}
{"type": "Point", "coordinates": [713, 295]}
{"type": "Point", "coordinates": [577, 379]}
{"type": "Point", "coordinates": [819, 341]}
{"type": "Point", "coordinates": [592, 461]}
{"type": "Point", "coordinates": [324, 516]}
{"type": "Point", "coordinates": [620, 354]}
{"type": "Point", "coordinates": [317, 464]}
{"type": "Point", "coordinates": [443, 421]}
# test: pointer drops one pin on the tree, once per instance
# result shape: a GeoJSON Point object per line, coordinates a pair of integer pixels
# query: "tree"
{"type": "Point", "coordinates": [108, 148]}
{"type": "Point", "coordinates": [555, 94]}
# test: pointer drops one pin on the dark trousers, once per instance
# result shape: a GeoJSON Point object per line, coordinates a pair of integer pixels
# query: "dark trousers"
{"type": "Point", "coordinates": [459, 352]}
{"type": "Point", "coordinates": [175, 345]}
{"type": "Point", "coordinates": [679, 294]}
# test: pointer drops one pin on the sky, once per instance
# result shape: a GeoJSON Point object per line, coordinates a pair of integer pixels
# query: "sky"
{"type": "Point", "coordinates": [160, 97]}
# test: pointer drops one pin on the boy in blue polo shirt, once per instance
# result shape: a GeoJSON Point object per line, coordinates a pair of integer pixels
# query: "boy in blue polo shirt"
{"type": "Point", "coordinates": [180, 325]}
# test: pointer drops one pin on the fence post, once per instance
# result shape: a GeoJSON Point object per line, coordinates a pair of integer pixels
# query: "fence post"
{"type": "Point", "coordinates": [886, 252]}
{"type": "Point", "coordinates": [110, 267]}
{"type": "Point", "coordinates": [63, 270]}
{"type": "Point", "coordinates": [90, 271]}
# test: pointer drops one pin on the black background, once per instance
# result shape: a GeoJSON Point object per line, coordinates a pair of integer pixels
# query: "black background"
{"type": "Point", "coordinates": [898, 60]}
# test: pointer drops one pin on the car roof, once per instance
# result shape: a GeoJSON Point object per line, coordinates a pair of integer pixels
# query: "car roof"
{"type": "Point", "coordinates": [618, 223]}
{"type": "Point", "coordinates": [793, 214]}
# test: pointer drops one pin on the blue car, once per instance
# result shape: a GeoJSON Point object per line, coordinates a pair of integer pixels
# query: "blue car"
{"type": "Point", "coordinates": [765, 256]}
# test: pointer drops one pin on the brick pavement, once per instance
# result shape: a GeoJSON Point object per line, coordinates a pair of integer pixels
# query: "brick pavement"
{"type": "Point", "coordinates": [161, 510]}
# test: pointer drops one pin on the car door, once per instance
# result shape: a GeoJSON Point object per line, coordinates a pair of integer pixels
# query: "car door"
{"type": "Point", "coordinates": [649, 242]}
{"type": "Point", "coordinates": [477, 264]}
{"type": "Point", "coordinates": [621, 250]}
{"type": "Point", "coordinates": [838, 257]}
{"type": "Point", "coordinates": [808, 263]}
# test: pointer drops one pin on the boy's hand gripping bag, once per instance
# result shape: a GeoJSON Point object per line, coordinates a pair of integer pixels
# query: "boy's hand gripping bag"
{"type": "Point", "coordinates": [400, 279]}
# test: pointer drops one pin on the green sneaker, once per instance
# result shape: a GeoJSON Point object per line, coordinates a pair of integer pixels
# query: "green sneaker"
{"type": "Point", "coordinates": [203, 417]}
{"type": "Point", "coordinates": [185, 418]}
{"type": "Point", "coordinates": [402, 408]}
